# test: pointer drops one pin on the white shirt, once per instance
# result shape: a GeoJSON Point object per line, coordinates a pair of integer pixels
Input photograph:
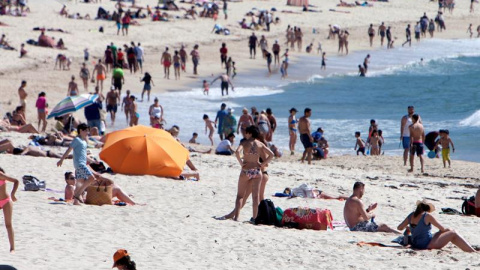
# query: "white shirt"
{"type": "Point", "coordinates": [406, 128]}
{"type": "Point", "coordinates": [224, 146]}
{"type": "Point", "coordinates": [139, 52]}
{"type": "Point", "coordinates": [417, 28]}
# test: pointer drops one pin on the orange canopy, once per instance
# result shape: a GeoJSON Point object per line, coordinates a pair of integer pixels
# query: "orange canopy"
{"type": "Point", "coordinates": [142, 150]}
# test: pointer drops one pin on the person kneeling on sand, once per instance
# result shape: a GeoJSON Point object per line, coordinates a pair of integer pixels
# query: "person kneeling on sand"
{"type": "Point", "coordinates": [421, 221]}
{"type": "Point", "coordinates": [116, 190]}
{"type": "Point", "coordinates": [357, 217]}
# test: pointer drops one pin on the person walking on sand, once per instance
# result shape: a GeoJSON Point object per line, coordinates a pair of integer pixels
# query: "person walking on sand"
{"type": "Point", "coordinates": [252, 44]}
{"type": "Point", "coordinates": [408, 35]}
{"type": "Point", "coordinates": [134, 115]}
{"type": "Point", "coordinates": [225, 81]}
{"type": "Point", "coordinates": [80, 158]}
{"type": "Point", "coordinates": [389, 37]}
{"type": "Point", "coordinates": [42, 105]}
{"type": "Point", "coordinates": [176, 65]}
{"type": "Point", "coordinates": [221, 114]}
{"type": "Point", "coordinates": [85, 75]}
{"type": "Point", "coordinates": [22, 95]}
{"type": "Point", "coordinates": [292, 129]}
{"type": "Point", "coordinates": [112, 100]}
{"type": "Point", "coordinates": [445, 141]}
{"type": "Point", "coordinates": [183, 58]}
{"type": "Point", "coordinates": [273, 124]}
{"type": "Point", "coordinates": [470, 30]}
{"type": "Point", "coordinates": [405, 123]}
{"type": "Point", "coordinates": [155, 111]}
{"type": "Point", "coordinates": [361, 219]}
{"type": "Point", "coordinates": [126, 103]}
{"type": "Point", "coordinates": [223, 54]}
{"type": "Point", "coordinates": [304, 127]}
{"type": "Point", "coordinates": [210, 126]}
{"type": "Point", "coordinates": [382, 31]}
{"type": "Point", "coordinates": [417, 137]}
{"type": "Point", "coordinates": [420, 224]}
{"type": "Point", "coordinates": [101, 74]}
{"type": "Point", "coordinates": [166, 62]}
{"type": "Point", "coordinates": [139, 52]}
{"type": "Point", "coordinates": [147, 86]}
{"type": "Point", "coordinates": [195, 58]}
{"type": "Point", "coordinates": [6, 203]}
{"type": "Point", "coordinates": [417, 30]}
{"type": "Point", "coordinates": [371, 34]}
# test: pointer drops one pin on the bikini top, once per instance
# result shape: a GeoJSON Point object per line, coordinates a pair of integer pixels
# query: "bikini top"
{"type": "Point", "coordinates": [253, 150]}
{"type": "Point", "coordinates": [2, 182]}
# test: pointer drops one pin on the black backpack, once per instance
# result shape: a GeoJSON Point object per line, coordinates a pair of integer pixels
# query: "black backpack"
{"type": "Point", "coordinates": [267, 214]}
{"type": "Point", "coordinates": [468, 206]}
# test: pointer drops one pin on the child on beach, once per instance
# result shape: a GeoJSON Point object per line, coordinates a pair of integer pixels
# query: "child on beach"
{"type": "Point", "coordinates": [206, 87]}
{"type": "Point", "coordinates": [194, 138]}
{"type": "Point", "coordinates": [6, 203]}
{"type": "Point", "coordinates": [360, 143]}
{"type": "Point", "coordinates": [42, 110]}
{"type": "Point", "coordinates": [375, 143]}
{"type": "Point", "coordinates": [445, 141]}
{"type": "Point", "coordinates": [210, 125]}
{"type": "Point", "coordinates": [234, 70]}
{"type": "Point", "coordinates": [157, 123]}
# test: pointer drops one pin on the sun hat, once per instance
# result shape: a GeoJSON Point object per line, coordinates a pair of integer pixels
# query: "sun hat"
{"type": "Point", "coordinates": [427, 202]}
{"type": "Point", "coordinates": [118, 255]}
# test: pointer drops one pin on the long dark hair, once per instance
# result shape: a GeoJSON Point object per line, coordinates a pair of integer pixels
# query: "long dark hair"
{"type": "Point", "coordinates": [420, 209]}
{"type": "Point", "coordinates": [126, 261]}
{"type": "Point", "coordinates": [253, 130]}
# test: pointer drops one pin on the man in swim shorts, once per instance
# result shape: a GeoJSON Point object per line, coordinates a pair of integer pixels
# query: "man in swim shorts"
{"type": "Point", "coordinates": [357, 217]}
{"type": "Point", "coordinates": [118, 79]}
{"type": "Point", "coordinates": [101, 73]}
{"type": "Point", "coordinates": [417, 137]}
{"type": "Point", "coordinates": [305, 135]}
{"type": "Point", "coordinates": [166, 62]}
{"type": "Point", "coordinates": [382, 32]}
{"type": "Point", "coordinates": [405, 123]}
{"type": "Point", "coordinates": [112, 101]}
{"type": "Point", "coordinates": [225, 81]}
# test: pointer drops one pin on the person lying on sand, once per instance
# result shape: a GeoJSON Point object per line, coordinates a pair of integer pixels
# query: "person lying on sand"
{"type": "Point", "coordinates": [6, 126]}
{"type": "Point", "coordinates": [357, 217]}
{"type": "Point", "coordinates": [117, 191]}
{"type": "Point", "coordinates": [306, 191]}
{"type": "Point", "coordinates": [36, 151]}
{"type": "Point", "coordinates": [420, 223]}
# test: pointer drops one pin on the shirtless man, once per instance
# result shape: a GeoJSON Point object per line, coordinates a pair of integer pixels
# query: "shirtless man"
{"type": "Point", "coordinates": [225, 82]}
{"type": "Point", "coordinates": [126, 106]}
{"type": "Point", "coordinates": [371, 34]}
{"type": "Point", "coordinates": [359, 218]}
{"type": "Point", "coordinates": [405, 123]}
{"type": "Point", "coordinates": [305, 135]}
{"type": "Point", "coordinates": [166, 62]}
{"type": "Point", "coordinates": [382, 31]}
{"type": "Point", "coordinates": [101, 72]}
{"type": "Point", "coordinates": [72, 88]}
{"type": "Point", "coordinates": [112, 100]}
{"type": "Point", "coordinates": [366, 62]}
{"type": "Point", "coordinates": [22, 94]}
{"type": "Point", "coordinates": [276, 52]}
{"type": "Point", "coordinates": [417, 137]}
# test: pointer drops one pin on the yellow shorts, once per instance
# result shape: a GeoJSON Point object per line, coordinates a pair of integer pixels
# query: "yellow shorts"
{"type": "Point", "coordinates": [446, 154]}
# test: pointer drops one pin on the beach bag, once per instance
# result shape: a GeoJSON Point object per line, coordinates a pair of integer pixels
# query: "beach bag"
{"type": "Point", "coordinates": [33, 184]}
{"type": "Point", "coordinates": [99, 195]}
{"type": "Point", "coordinates": [307, 218]}
{"type": "Point", "coordinates": [267, 214]}
{"type": "Point", "coordinates": [468, 206]}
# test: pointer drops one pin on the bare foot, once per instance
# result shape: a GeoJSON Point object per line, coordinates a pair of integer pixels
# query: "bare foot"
{"type": "Point", "coordinates": [411, 170]}
{"type": "Point", "coordinates": [12, 251]}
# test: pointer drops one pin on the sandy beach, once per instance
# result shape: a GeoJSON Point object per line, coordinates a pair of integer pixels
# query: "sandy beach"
{"type": "Point", "coordinates": [175, 229]}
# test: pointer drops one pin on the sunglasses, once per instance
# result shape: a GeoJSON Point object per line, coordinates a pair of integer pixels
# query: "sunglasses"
{"type": "Point", "coordinates": [71, 178]}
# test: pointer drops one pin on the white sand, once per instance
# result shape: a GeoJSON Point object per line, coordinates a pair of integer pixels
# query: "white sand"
{"type": "Point", "coordinates": [175, 230]}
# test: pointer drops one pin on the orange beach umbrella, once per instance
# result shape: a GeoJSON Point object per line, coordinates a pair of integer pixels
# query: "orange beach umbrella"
{"type": "Point", "coordinates": [142, 150]}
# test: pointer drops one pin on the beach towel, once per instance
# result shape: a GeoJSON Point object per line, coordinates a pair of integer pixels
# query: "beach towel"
{"type": "Point", "coordinates": [307, 218]}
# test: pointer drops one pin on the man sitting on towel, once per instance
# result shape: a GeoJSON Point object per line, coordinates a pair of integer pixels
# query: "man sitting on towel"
{"type": "Point", "coordinates": [357, 217]}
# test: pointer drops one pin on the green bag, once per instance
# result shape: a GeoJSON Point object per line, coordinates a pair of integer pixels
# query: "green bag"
{"type": "Point", "coordinates": [279, 213]}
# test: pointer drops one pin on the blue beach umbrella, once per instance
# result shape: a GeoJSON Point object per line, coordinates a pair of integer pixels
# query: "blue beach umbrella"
{"type": "Point", "coordinates": [72, 104]}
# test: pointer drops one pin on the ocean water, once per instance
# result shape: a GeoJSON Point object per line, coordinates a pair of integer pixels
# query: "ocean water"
{"type": "Point", "coordinates": [444, 88]}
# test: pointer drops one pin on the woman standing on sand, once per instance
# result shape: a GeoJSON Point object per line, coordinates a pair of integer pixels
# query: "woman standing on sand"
{"type": "Point", "coordinates": [251, 173]}
{"type": "Point", "coordinates": [421, 222]}
{"type": "Point", "coordinates": [6, 203]}
{"type": "Point", "coordinates": [292, 129]}
{"type": "Point", "coordinates": [85, 75]}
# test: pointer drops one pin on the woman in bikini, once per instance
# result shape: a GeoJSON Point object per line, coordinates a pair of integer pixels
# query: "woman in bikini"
{"type": "Point", "coordinates": [85, 75]}
{"type": "Point", "coordinates": [253, 176]}
{"type": "Point", "coordinates": [6, 203]}
{"type": "Point", "coordinates": [72, 88]}
{"type": "Point", "coordinates": [292, 129]}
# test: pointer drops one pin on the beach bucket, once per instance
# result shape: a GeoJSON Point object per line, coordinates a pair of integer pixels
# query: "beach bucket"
{"type": "Point", "coordinates": [431, 154]}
